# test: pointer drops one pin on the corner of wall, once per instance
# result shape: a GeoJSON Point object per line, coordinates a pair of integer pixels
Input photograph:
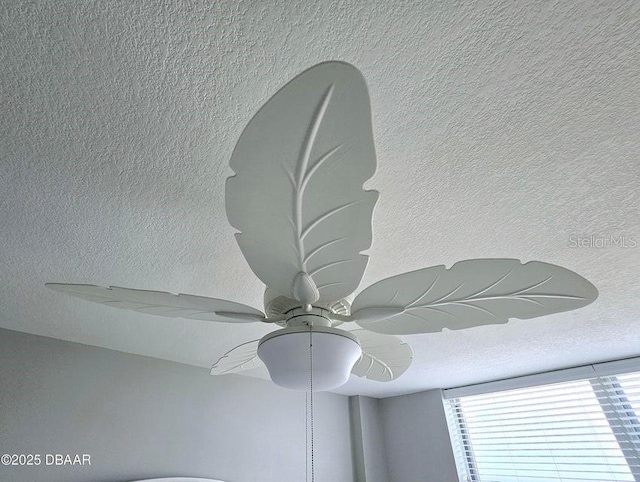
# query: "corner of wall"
{"type": "Point", "coordinates": [367, 440]}
{"type": "Point", "coordinates": [416, 438]}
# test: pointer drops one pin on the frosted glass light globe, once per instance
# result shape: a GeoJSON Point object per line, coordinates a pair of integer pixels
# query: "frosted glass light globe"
{"type": "Point", "coordinates": [286, 354]}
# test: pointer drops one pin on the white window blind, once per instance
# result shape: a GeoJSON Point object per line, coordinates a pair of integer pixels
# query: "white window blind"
{"type": "Point", "coordinates": [579, 431]}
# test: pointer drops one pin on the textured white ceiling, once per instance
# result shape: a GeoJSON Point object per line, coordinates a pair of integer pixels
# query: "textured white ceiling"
{"type": "Point", "coordinates": [503, 129]}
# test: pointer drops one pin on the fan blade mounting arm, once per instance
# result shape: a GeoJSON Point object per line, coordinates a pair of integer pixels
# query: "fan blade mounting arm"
{"type": "Point", "coordinates": [163, 304]}
{"type": "Point", "coordinates": [297, 195]}
{"type": "Point", "coordinates": [471, 293]}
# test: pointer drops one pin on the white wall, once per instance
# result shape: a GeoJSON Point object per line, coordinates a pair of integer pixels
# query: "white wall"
{"type": "Point", "coordinates": [140, 417]}
{"type": "Point", "coordinates": [418, 448]}
{"type": "Point", "coordinates": [370, 460]}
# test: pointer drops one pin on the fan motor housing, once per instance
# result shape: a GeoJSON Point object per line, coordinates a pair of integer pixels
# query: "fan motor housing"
{"type": "Point", "coordinates": [277, 305]}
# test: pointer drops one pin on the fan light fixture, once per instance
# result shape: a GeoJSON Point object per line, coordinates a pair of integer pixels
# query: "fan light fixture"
{"type": "Point", "coordinates": [287, 355]}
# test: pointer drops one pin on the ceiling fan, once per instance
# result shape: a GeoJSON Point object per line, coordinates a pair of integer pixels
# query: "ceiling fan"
{"type": "Point", "coordinates": [303, 218]}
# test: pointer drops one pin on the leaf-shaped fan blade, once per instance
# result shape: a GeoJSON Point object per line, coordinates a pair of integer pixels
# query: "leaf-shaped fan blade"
{"type": "Point", "coordinates": [241, 358]}
{"type": "Point", "coordinates": [297, 196]}
{"type": "Point", "coordinates": [163, 304]}
{"type": "Point", "coordinates": [384, 357]}
{"type": "Point", "coordinates": [472, 293]}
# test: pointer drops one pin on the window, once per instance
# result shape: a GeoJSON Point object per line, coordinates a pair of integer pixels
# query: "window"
{"type": "Point", "coordinates": [579, 431]}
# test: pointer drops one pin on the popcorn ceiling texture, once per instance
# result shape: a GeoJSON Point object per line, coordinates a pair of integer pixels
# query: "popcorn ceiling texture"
{"type": "Point", "coordinates": [503, 129]}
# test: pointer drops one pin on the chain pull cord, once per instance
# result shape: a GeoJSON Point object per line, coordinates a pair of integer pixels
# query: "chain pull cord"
{"type": "Point", "coordinates": [311, 397]}
{"type": "Point", "coordinates": [306, 436]}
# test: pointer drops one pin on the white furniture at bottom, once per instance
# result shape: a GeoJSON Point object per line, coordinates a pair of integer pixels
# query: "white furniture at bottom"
{"type": "Point", "coordinates": [179, 479]}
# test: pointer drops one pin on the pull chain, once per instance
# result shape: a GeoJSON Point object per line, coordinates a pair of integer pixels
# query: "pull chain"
{"type": "Point", "coordinates": [306, 436]}
{"type": "Point", "coordinates": [311, 397]}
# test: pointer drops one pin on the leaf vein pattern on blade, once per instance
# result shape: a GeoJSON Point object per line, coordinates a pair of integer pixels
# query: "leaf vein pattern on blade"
{"type": "Point", "coordinates": [326, 285]}
{"type": "Point", "coordinates": [315, 167]}
{"type": "Point", "coordinates": [329, 265]}
{"type": "Point", "coordinates": [534, 301]}
{"type": "Point", "coordinates": [302, 167]}
{"type": "Point", "coordinates": [514, 296]}
{"type": "Point", "coordinates": [496, 283]}
{"type": "Point", "coordinates": [443, 312]}
{"type": "Point", "coordinates": [451, 293]}
{"type": "Point", "coordinates": [254, 241]}
{"type": "Point", "coordinates": [499, 297]}
{"type": "Point", "coordinates": [184, 311]}
{"type": "Point", "coordinates": [319, 219]}
{"type": "Point", "coordinates": [289, 175]}
{"type": "Point", "coordinates": [393, 298]}
{"type": "Point", "coordinates": [195, 312]}
{"type": "Point", "coordinates": [524, 290]}
{"type": "Point", "coordinates": [370, 363]}
{"type": "Point", "coordinates": [289, 220]}
{"type": "Point", "coordinates": [246, 353]}
{"type": "Point", "coordinates": [385, 368]}
{"type": "Point", "coordinates": [141, 306]}
{"type": "Point", "coordinates": [320, 248]}
{"type": "Point", "coordinates": [422, 295]}
{"type": "Point", "coordinates": [469, 304]}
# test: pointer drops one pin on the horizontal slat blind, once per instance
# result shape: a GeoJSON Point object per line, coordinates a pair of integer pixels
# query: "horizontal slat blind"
{"type": "Point", "coordinates": [581, 431]}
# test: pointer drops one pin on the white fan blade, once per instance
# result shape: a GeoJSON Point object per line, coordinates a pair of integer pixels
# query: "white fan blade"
{"type": "Point", "coordinates": [384, 357]}
{"type": "Point", "coordinates": [163, 304]}
{"type": "Point", "coordinates": [241, 358]}
{"type": "Point", "coordinates": [297, 196]}
{"type": "Point", "coordinates": [472, 293]}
